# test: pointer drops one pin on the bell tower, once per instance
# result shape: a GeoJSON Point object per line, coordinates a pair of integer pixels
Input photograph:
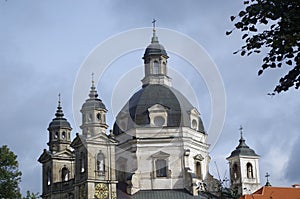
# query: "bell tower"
{"type": "Point", "coordinates": [93, 114]}
{"type": "Point", "coordinates": [155, 62]}
{"type": "Point", "coordinates": [244, 168]}
{"type": "Point", "coordinates": [59, 131]}
{"type": "Point", "coordinates": [94, 153]}
{"type": "Point", "coordinates": [58, 161]}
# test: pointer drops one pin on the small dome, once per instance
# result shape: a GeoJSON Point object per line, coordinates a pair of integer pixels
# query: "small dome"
{"type": "Point", "coordinates": [59, 121]}
{"type": "Point", "coordinates": [155, 49]}
{"type": "Point", "coordinates": [242, 150]}
{"type": "Point", "coordinates": [137, 107]}
{"type": "Point", "coordinates": [93, 104]}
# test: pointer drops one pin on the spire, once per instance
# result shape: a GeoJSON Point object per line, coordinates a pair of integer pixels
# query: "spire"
{"type": "Point", "coordinates": [93, 92]}
{"type": "Point", "coordinates": [242, 140]}
{"type": "Point", "coordinates": [154, 37]}
{"type": "Point", "coordinates": [268, 184]}
{"type": "Point", "coordinates": [242, 148]}
{"type": "Point", "coordinates": [59, 112]}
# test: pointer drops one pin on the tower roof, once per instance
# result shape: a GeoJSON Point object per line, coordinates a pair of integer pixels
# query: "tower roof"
{"type": "Point", "coordinates": [59, 121]}
{"type": "Point", "coordinates": [93, 101]}
{"type": "Point", "coordinates": [242, 149]}
{"type": "Point", "coordinates": [155, 48]}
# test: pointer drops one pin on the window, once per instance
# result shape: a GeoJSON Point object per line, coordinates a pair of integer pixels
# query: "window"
{"type": "Point", "coordinates": [155, 67]}
{"type": "Point", "coordinates": [63, 136]}
{"type": "Point", "coordinates": [56, 135]}
{"type": "Point", "coordinates": [194, 124]}
{"type": "Point", "coordinates": [161, 168]}
{"type": "Point", "coordinates": [100, 163]}
{"type": "Point", "coordinates": [81, 162]}
{"type": "Point", "coordinates": [159, 121]}
{"type": "Point", "coordinates": [48, 175]}
{"type": "Point", "coordinates": [99, 116]}
{"type": "Point", "coordinates": [249, 170]}
{"type": "Point", "coordinates": [198, 170]}
{"type": "Point", "coordinates": [235, 171]}
{"type": "Point", "coordinates": [65, 174]}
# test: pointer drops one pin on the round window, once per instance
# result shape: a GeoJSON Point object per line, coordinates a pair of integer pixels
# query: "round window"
{"type": "Point", "coordinates": [159, 121]}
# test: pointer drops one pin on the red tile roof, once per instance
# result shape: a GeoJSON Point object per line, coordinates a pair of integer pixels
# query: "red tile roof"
{"type": "Point", "coordinates": [274, 193]}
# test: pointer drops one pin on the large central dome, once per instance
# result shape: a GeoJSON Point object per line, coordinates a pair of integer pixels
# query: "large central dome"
{"type": "Point", "coordinates": [157, 99]}
{"type": "Point", "coordinates": [178, 108]}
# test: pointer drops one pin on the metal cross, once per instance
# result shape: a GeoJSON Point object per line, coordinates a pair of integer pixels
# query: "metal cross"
{"type": "Point", "coordinates": [267, 176]}
{"type": "Point", "coordinates": [153, 22]}
{"type": "Point", "coordinates": [241, 130]}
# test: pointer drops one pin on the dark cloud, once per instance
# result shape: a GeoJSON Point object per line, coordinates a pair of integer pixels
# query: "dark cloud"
{"type": "Point", "coordinates": [292, 168]}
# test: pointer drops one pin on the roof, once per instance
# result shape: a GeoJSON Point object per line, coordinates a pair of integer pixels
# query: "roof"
{"type": "Point", "coordinates": [93, 102]}
{"type": "Point", "coordinates": [152, 94]}
{"type": "Point", "coordinates": [59, 121]}
{"type": "Point", "coordinates": [243, 149]}
{"type": "Point", "coordinates": [155, 48]}
{"type": "Point", "coordinates": [165, 194]}
{"type": "Point", "coordinates": [274, 192]}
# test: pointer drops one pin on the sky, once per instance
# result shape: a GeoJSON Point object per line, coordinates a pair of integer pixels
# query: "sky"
{"type": "Point", "coordinates": [45, 43]}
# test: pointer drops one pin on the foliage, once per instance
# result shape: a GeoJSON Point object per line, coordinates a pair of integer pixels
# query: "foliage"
{"type": "Point", "coordinates": [274, 25]}
{"type": "Point", "coordinates": [30, 195]}
{"type": "Point", "coordinates": [10, 176]}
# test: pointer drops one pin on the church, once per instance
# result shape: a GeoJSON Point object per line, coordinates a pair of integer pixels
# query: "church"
{"type": "Point", "coordinates": [157, 149]}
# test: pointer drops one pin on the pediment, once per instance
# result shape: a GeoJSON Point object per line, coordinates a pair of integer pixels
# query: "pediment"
{"type": "Point", "coordinates": [101, 137]}
{"type": "Point", "coordinates": [46, 155]}
{"type": "Point", "coordinates": [194, 111]}
{"type": "Point", "coordinates": [160, 154]}
{"type": "Point", "coordinates": [67, 153]}
{"type": "Point", "coordinates": [77, 141]}
{"type": "Point", "coordinates": [158, 107]}
{"type": "Point", "coordinates": [199, 157]}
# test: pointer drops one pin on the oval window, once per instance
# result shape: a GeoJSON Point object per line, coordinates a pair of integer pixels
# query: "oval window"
{"type": "Point", "coordinates": [159, 121]}
{"type": "Point", "coordinates": [194, 124]}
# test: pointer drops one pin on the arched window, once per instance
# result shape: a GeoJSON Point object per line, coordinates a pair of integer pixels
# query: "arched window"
{"type": "Point", "coordinates": [56, 135]}
{"type": "Point", "coordinates": [81, 162]}
{"type": "Point", "coordinates": [161, 168]}
{"type": "Point", "coordinates": [155, 67]}
{"type": "Point", "coordinates": [198, 170]}
{"type": "Point", "coordinates": [48, 175]}
{"type": "Point", "coordinates": [249, 170]}
{"type": "Point", "coordinates": [65, 174]}
{"type": "Point", "coordinates": [63, 135]}
{"type": "Point", "coordinates": [235, 171]}
{"type": "Point", "coordinates": [100, 163]}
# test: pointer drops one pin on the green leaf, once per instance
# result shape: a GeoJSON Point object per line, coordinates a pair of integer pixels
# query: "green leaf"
{"type": "Point", "coordinates": [242, 13]}
{"type": "Point", "coordinates": [228, 32]}
{"type": "Point", "coordinates": [244, 36]}
{"type": "Point", "coordinates": [289, 62]}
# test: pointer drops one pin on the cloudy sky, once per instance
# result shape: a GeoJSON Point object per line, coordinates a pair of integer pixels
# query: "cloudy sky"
{"type": "Point", "coordinates": [43, 46]}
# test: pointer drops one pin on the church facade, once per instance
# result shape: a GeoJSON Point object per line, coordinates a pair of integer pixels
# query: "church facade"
{"type": "Point", "coordinates": [157, 149]}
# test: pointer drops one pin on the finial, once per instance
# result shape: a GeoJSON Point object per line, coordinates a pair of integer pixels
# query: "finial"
{"type": "Point", "coordinates": [241, 131]}
{"type": "Point", "coordinates": [154, 37]}
{"type": "Point", "coordinates": [267, 176]}
{"type": "Point", "coordinates": [59, 113]}
{"type": "Point", "coordinates": [59, 99]}
{"type": "Point", "coordinates": [93, 93]}
{"type": "Point", "coordinates": [93, 82]}
{"type": "Point", "coordinates": [153, 23]}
